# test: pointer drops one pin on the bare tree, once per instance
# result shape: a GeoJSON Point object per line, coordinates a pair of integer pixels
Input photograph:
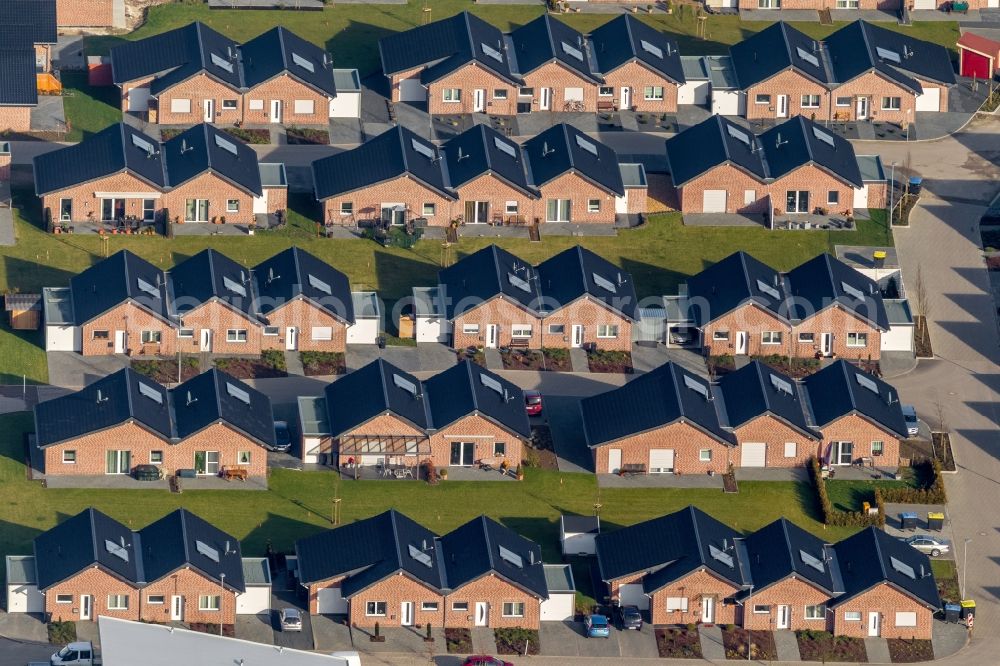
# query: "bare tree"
{"type": "Point", "coordinates": [922, 300]}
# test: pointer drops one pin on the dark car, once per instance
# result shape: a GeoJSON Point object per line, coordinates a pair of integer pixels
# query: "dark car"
{"type": "Point", "coordinates": [485, 660]}
{"type": "Point", "coordinates": [629, 617]}
{"type": "Point", "coordinates": [282, 437]}
{"type": "Point", "coordinates": [683, 335]}
{"type": "Point", "coordinates": [533, 402]}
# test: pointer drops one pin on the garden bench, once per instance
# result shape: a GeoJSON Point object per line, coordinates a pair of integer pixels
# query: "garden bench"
{"type": "Point", "coordinates": [235, 473]}
{"type": "Point", "coordinates": [520, 343]}
{"type": "Point", "coordinates": [632, 469]}
{"type": "Point", "coordinates": [606, 107]}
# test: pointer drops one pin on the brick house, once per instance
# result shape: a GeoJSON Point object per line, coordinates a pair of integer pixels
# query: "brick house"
{"type": "Point", "coordinates": [209, 423]}
{"type": "Point", "coordinates": [177, 569]}
{"type": "Point", "coordinates": [480, 574]}
{"type": "Point", "coordinates": [478, 177]}
{"type": "Point", "coordinates": [860, 72]}
{"type": "Point", "coordinates": [492, 298]}
{"type": "Point", "coordinates": [90, 13]}
{"type": "Point", "coordinates": [27, 34]}
{"type": "Point", "coordinates": [120, 174]}
{"type": "Point", "coordinates": [822, 308]}
{"type": "Point", "coordinates": [194, 74]}
{"type": "Point", "coordinates": [795, 168]}
{"type": "Point", "coordinates": [681, 568]}
{"type": "Point", "coordinates": [379, 417]}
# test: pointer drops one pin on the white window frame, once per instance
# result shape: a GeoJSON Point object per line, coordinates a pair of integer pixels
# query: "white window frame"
{"type": "Point", "coordinates": [833, 198]}
{"type": "Point", "coordinates": [428, 209]}
{"type": "Point", "coordinates": [234, 334]}
{"type": "Point", "coordinates": [114, 601]}
{"type": "Point", "coordinates": [858, 337]}
{"type": "Point", "coordinates": [814, 612]}
{"type": "Point", "coordinates": [762, 99]}
{"type": "Point", "coordinates": [210, 602]}
{"type": "Point", "coordinates": [500, 93]}
{"type": "Point", "coordinates": [156, 462]}
{"type": "Point", "coordinates": [520, 330]}
{"type": "Point", "coordinates": [185, 333]}
{"type": "Point", "coordinates": [372, 608]}
{"type": "Point", "coordinates": [852, 616]}
{"type": "Point", "coordinates": [677, 604]}
{"type": "Point", "coordinates": [510, 208]}
{"type": "Point", "coordinates": [64, 598]}
{"type": "Point", "coordinates": [152, 599]}
{"type": "Point", "coordinates": [850, 100]}
{"type": "Point", "coordinates": [605, 91]}
{"type": "Point", "coordinates": [347, 208]}
{"type": "Point", "coordinates": [652, 93]}
{"type": "Point", "coordinates": [806, 101]}
{"type": "Point", "coordinates": [593, 205]}
{"type": "Point", "coordinates": [470, 329]}
{"type": "Point", "coordinates": [499, 449]}
{"type": "Point", "coordinates": [557, 329]}
{"type": "Point", "coordinates": [878, 444]}
{"type": "Point", "coordinates": [232, 205]}
{"type": "Point", "coordinates": [322, 333]}
{"type": "Point", "coordinates": [180, 105]}
{"type": "Point", "coordinates": [69, 457]}
{"type": "Point", "coordinates": [150, 337]}
{"type": "Point", "coordinates": [607, 331]}
{"type": "Point", "coordinates": [429, 606]}
{"type": "Point", "coordinates": [791, 449]}
{"type": "Point", "coordinates": [898, 106]}
{"type": "Point", "coordinates": [807, 338]}
{"type": "Point", "coordinates": [451, 95]}
{"type": "Point", "coordinates": [905, 619]}
{"type": "Point", "coordinates": [244, 457]}
{"type": "Point", "coordinates": [230, 104]}
{"type": "Point", "coordinates": [762, 609]}
{"type": "Point", "coordinates": [255, 105]}
{"type": "Point", "coordinates": [720, 336]}
{"type": "Point", "coordinates": [704, 455]}
{"type": "Point", "coordinates": [271, 331]}
{"type": "Point", "coordinates": [460, 606]}
{"type": "Point", "coordinates": [770, 337]}
{"type": "Point", "coordinates": [512, 609]}
{"type": "Point", "coordinates": [304, 107]}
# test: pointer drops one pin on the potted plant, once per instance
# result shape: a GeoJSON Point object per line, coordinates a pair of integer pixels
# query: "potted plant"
{"type": "Point", "coordinates": [649, 9]}
{"type": "Point", "coordinates": [377, 636]}
{"type": "Point", "coordinates": [443, 474]}
{"type": "Point", "coordinates": [251, 227]}
{"type": "Point", "coordinates": [428, 638]}
{"type": "Point", "coordinates": [222, 220]}
{"type": "Point", "coordinates": [520, 473]}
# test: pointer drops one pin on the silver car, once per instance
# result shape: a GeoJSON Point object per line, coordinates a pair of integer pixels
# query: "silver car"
{"type": "Point", "coordinates": [912, 424]}
{"type": "Point", "coordinates": [929, 545]}
{"type": "Point", "coordinates": [291, 619]}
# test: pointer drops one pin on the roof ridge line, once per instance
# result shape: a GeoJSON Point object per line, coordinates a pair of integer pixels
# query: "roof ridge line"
{"type": "Point", "coordinates": [697, 533]}
{"type": "Point", "coordinates": [878, 549]}
{"type": "Point", "coordinates": [184, 536]}
{"type": "Point", "coordinates": [395, 538]}
{"type": "Point", "coordinates": [489, 542]}
{"type": "Point", "coordinates": [805, 134]}
{"type": "Point", "coordinates": [402, 148]}
{"type": "Point", "coordinates": [93, 534]}
{"type": "Point", "coordinates": [788, 542]}
{"type": "Point", "coordinates": [218, 394]}
{"type": "Point", "coordinates": [281, 43]}
{"type": "Point", "coordinates": [472, 385]}
{"type": "Point", "coordinates": [201, 44]}
{"type": "Point", "coordinates": [569, 148]}
{"type": "Point", "coordinates": [385, 387]}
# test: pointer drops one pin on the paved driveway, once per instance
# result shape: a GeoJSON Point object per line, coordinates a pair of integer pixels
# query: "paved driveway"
{"type": "Point", "coordinates": [566, 639]}
{"type": "Point", "coordinates": [72, 370]}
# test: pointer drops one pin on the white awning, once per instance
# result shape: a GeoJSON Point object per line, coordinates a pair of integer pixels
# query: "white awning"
{"type": "Point", "coordinates": [127, 195]}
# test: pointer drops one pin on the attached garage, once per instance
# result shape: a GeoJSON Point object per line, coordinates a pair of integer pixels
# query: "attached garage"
{"type": "Point", "coordinates": [661, 461]}
{"type": "Point", "coordinates": [694, 92]}
{"type": "Point", "coordinates": [257, 579]}
{"type": "Point", "coordinates": [411, 90]}
{"type": "Point", "coordinates": [22, 586]}
{"type": "Point", "coordinates": [713, 201]}
{"type": "Point", "coordinates": [330, 601]}
{"type": "Point", "coordinates": [561, 604]}
{"type": "Point", "coordinates": [367, 321]}
{"type": "Point", "coordinates": [61, 333]}
{"type": "Point", "coordinates": [314, 429]}
{"type": "Point", "coordinates": [753, 454]}
{"type": "Point", "coordinates": [930, 100]}
{"type": "Point", "coordinates": [632, 595]}
{"type": "Point", "coordinates": [578, 534]}
{"type": "Point", "coordinates": [138, 100]}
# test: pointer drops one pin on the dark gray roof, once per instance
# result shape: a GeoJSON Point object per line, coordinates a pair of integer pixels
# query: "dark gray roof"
{"type": "Point", "coordinates": [391, 154]}
{"type": "Point", "coordinates": [581, 524]}
{"type": "Point", "coordinates": [545, 40]}
{"type": "Point", "coordinates": [872, 557]}
{"type": "Point", "coordinates": [577, 272]}
{"type": "Point", "coordinates": [207, 276]}
{"type": "Point", "coordinates": [775, 49]}
{"type": "Point", "coordinates": [370, 391]}
{"type": "Point", "coordinates": [755, 390]}
{"type": "Point", "coordinates": [294, 272]}
{"type": "Point", "coordinates": [19, 84]}
{"type": "Point", "coordinates": [710, 143]}
{"type": "Point", "coordinates": [657, 398]}
{"type": "Point", "coordinates": [110, 282]}
{"type": "Point", "coordinates": [204, 148]}
{"type": "Point", "coordinates": [182, 539]}
{"type": "Point", "coordinates": [116, 149]}
{"type": "Point", "coordinates": [28, 22]}
{"type": "Point", "coordinates": [799, 141]}
{"type": "Point", "coordinates": [626, 39]}
{"type": "Point", "coordinates": [670, 547]}
{"type": "Point", "coordinates": [489, 272]}
{"type": "Point", "coordinates": [563, 149]}
{"type": "Point", "coordinates": [215, 397]}
{"type": "Point", "coordinates": [782, 549]}
{"type": "Point", "coordinates": [482, 150]}
{"type": "Point", "coordinates": [732, 282]}
{"type": "Point", "coordinates": [483, 546]}
{"type": "Point", "coordinates": [280, 50]}
{"type": "Point", "coordinates": [82, 541]}
{"type": "Point", "coordinates": [107, 402]}
{"type": "Point", "coordinates": [836, 391]}
{"type": "Point", "coordinates": [825, 280]}
{"type": "Point", "coordinates": [468, 388]}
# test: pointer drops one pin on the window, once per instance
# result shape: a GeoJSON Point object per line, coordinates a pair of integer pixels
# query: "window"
{"type": "Point", "coordinates": [236, 335]}
{"type": "Point", "coordinates": [807, 338]}
{"type": "Point", "coordinates": [256, 105]}
{"type": "Point", "coordinates": [180, 106]}
{"type": "Point", "coordinates": [196, 210]}
{"type": "Point", "coordinates": [852, 616]}
{"type": "Point", "coordinates": [232, 205]}
{"type": "Point", "coordinates": [117, 602]}
{"type": "Point", "coordinates": [65, 210]}
{"type": "Point", "coordinates": [843, 101]}
{"type": "Point", "coordinates": [500, 449]}
{"type": "Point", "coordinates": [148, 210]}
{"type": "Point", "coordinates": [375, 608]}
{"type": "Point", "coordinates": [705, 455]}
{"type": "Point", "coordinates": [857, 339]}
{"type": "Point", "coordinates": [69, 457]}
{"type": "Point", "coordinates": [770, 338]}
{"type": "Point", "coordinates": [229, 105]}
{"type": "Point", "coordinates": [304, 107]}
{"type": "Point", "coordinates": [677, 604]}
{"type": "Point", "coordinates": [513, 609]}
{"type": "Point", "coordinates": [242, 457]}
{"type": "Point", "coordinates": [810, 101]}
{"type": "Point", "coordinates": [720, 335]}
{"type": "Point", "coordinates": [150, 337]}
{"type": "Point", "coordinates": [470, 329]}
{"type": "Point", "coordinates": [762, 99]}
{"type": "Point", "coordinates": [272, 331]}
{"type": "Point", "coordinates": [429, 606]}
{"type": "Point", "coordinates": [906, 619]}
{"type": "Point", "coordinates": [102, 335]}
{"type": "Point", "coordinates": [817, 612]}
{"type": "Point", "coordinates": [557, 210]}
{"type": "Point", "coordinates": [209, 602]}
{"type": "Point", "coordinates": [347, 208]}
{"type": "Point", "coordinates": [185, 333]}
{"type": "Point", "coordinates": [155, 599]}
{"type": "Point", "coordinates": [593, 205]}
{"type": "Point", "coordinates": [156, 457]}
{"type": "Point", "coordinates": [797, 201]}
{"type": "Point", "coordinates": [525, 92]}
{"type": "Point", "coordinates": [891, 103]}
{"type": "Point", "coordinates": [510, 208]}
{"type": "Point", "coordinates": [749, 196]}
{"type": "Point", "coordinates": [451, 95]}
{"type": "Point", "coordinates": [790, 449]}
{"type": "Point", "coordinates": [322, 333]}
{"type": "Point", "coordinates": [573, 94]}
{"type": "Point", "coordinates": [520, 331]}
{"type": "Point", "coordinates": [878, 446]}
{"type": "Point", "coordinates": [833, 197]}
{"type": "Point", "coordinates": [429, 209]}
{"type": "Point", "coordinates": [761, 609]}
{"type": "Point", "coordinates": [654, 93]}
{"type": "Point", "coordinates": [606, 91]}
{"type": "Point", "coordinates": [64, 598]}
{"type": "Point", "coordinates": [500, 93]}
{"type": "Point", "coordinates": [557, 329]}
{"type": "Point", "coordinates": [607, 330]}
{"type": "Point", "coordinates": [460, 606]}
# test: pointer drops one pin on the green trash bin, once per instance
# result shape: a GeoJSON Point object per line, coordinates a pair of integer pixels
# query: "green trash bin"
{"type": "Point", "coordinates": [968, 608]}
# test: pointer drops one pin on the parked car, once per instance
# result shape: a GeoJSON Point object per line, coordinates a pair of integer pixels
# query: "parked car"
{"type": "Point", "coordinates": [485, 660]}
{"type": "Point", "coordinates": [282, 437]}
{"type": "Point", "coordinates": [927, 544]}
{"type": "Point", "coordinates": [596, 626]}
{"type": "Point", "coordinates": [533, 402]}
{"type": "Point", "coordinates": [291, 619]}
{"type": "Point", "coordinates": [682, 335]}
{"type": "Point", "coordinates": [81, 653]}
{"type": "Point", "coordinates": [629, 617]}
{"type": "Point", "coordinates": [910, 416]}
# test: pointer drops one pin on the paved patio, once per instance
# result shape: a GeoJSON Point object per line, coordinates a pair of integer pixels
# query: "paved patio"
{"type": "Point", "coordinates": [207, 229]}
{"type": "Point", "coordinates": [256, 628]}
{"type": "Point", "coordinates": [783, 474]}
{"type": "Point", "coordinates": [948, 639]}
{"type": "Point", "coordinates": [723, 220]}
{"type": "Point", "coordinates": [332, 633]}
{"type": "Point", "coordinates": [49, 115]}
{"type": "Point", "coordinates": [659, 481]}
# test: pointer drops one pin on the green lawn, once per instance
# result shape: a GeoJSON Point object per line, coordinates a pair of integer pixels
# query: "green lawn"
{"type": "Point", "coordinates": [946, 575]}
{"type": "Point", "coordinates": [848, 495]}
{"type": "Point", "coordinates": [88, 109]}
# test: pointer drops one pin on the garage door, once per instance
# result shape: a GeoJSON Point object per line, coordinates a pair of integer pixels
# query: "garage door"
{"type": "Point", "coordinates": [713, 201]}
{"type": "Point", "coordinates": [925, 4]}
{"type": "Point", "coordinates": [661, 461]}
{"type": "Point", "coordinates": [753, 455]}
{"type": "Point", "coordinates": [633, 595]}
{"type": "Point", "coordinates": [410, 90]}
{"type": "Point", "coordinates": [256, 599]}
{"type": "Point", "coordinates": [24, 598]}
{"type": "Point", "coordinates": [975, 64]}
{"type": "Point", "coordinates": [330, 602]}
{"type": "Point", "coordinates": [138, 99]}
{"type": "Point", "coordinates": [558, 607]}
{"type": "Point", "coordinates": [930, 100]}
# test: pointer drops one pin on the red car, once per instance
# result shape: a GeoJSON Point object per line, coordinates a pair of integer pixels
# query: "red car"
{"type": "Point", "coordinates": [533, 402]}
{"type": "Point", "coordinates": [484, 660]}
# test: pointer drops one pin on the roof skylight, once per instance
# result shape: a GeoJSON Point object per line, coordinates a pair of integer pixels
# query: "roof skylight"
{"type": "Point", "coordinates": [405, 384]}
{"type": "Point", "coordinates": [147, 288]}
{"type": "Point", "coordinates": [721, 556]}
{"type": "Point", "coordinates": [738, 134]}
{"type": "Point", "coordinates": [303, 63]}
{"type": "Point", "coordinates": [518, 282]}
{"type": "Point", "coordinates": [823, 136]}
{"type": "Point", "coordinates": [151, 393]}
{"type": "Point", "coordinates": [867, 382]}
{"type": "Point", "coordinates": [696, 386]}
{"type": "Point", "coordinates": [768, 289]}
{"type": "Point", "coordinates": [651, 48]}
{"type": "Point", "coordinates": [589, 146]}
{"type": "Point", "coordinates": [226, 145]}
{"type": "Point", "coordinates": [505, 147]}
{"type": "Point", "coordinates": [853, 291]}
{"type": "Point", "coordinates": [423, 149]}
{"type": "Point", "coordinates": [222, 63]}
{"type": "Point", "coordinates": [491, 383]}
{"type": "Point", "coordinates": [886, 54]}
{"type": "Point", "coordinates": [510, 557]}
{"type": "Point", "coordinates": [238, 393]}
{"type": "Point", "coordinates": [421, 556]}
{"type": "Point", "coordinates": [207, 551]}
{"type": "Point", "coordinates": [118, 550]}
{"type": "Point", "coordinates": [142, 144]}
{"type": "Point", "coordinates": [781, 385]}
{"type": "Point", "coordinates": [903, 568]}
{"type": "Point", "coordinates": [811, 561]}
{"type": "Point", "coordinates": [572, 51]}
{"type": "Point", "coordinates": [604, 283]}
{"type": "Point", "coordinates": [492, 52]}
{"type": "Point", "coordinates": [234, 286]}
{"type": "Point", "coordinates": [808, 57]}
{"type": "Point", "coordinates": [320, 285]}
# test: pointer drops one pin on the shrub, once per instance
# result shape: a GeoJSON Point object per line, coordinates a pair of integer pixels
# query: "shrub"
{"type": "Point", "coordinates": [62, 632]}
{"type": "Point", "coordinates": [843, 518]}
{"type": "Point", "coordinates": [931, 494]}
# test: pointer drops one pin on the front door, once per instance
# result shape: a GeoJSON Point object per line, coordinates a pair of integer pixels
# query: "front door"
{"type": "Point", "coordinates": [546, 99]}
{"type": "Point", "coordinates": [492, 336]}
{"type": "Point", "coordinates": [874, 624]}
{"type": "Point", "coordinates": [406, 614]}
{"type": "Point", "coordinates": [742, 338]}
{"type": "Point", "coordinates": [782, 106]}
{"type": "Point", "coordinates": [275, 110]}
{"type": "Point", "coordinates": [462, 453]}
{"type": "Point", "coordinates": [482, 614]}
{"type": "Point", "coordinates": [86, 606]}
{"type": "Point", "coordinates": [120, 342]}
{"type": "Point", "coordinates": [826, 344]}
{"type": "Point", "coordinates": [784, 617]}
{"type": "Point", "coordinates": [478, 100]}
{"type": "Point", "coordinates": [206, 339]}
{"type": "Point", "coordinates": [862, 110]}
{"type": "Point", "coordinates": [842, 453]}
{"type": "Point", "coordinates": [614, 461]}
{"type": "Point", "coordinates": [577, 338]}
{"type": "Point", "coordinates": [209, 110]}
{"type": "Point", "coordinates": [626, 98]}
{"type": "Point", "coordinates": [708, 610]}
{"type": "Point", "coordinates": [177, 608]}
{"type": "Point", "coordinates": [291, 338]}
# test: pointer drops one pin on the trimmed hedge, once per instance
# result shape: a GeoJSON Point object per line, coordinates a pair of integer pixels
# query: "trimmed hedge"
{"type": "Point", "coordinates": [843, 518]}
{"type": "Point", "coordinates": [932, 494]}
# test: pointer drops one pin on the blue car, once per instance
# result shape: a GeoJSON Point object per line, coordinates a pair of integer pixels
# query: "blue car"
{"type": "Point", "coordinates": [596, 626]}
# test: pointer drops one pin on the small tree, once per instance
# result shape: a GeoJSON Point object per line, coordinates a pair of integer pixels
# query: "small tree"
{"type": "Point", "coordinates": [922, 300]}
{"type": "Point", "coordinates": [428, 631]}
{"type": "Point", "coordinates": [377, 630]}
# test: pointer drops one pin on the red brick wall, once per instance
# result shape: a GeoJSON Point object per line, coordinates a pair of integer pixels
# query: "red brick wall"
{"type": "Point", "coordinates": [314, 589]}
{"type": "Point", "coordinates": [838, 321]}
{"type": "Point", "coordinates": [578, 191]}
{"type": "Point", "coordinates": [862, 433]}
{"type": "Point", "coordinates": [277, 199]}
{"type": "Point", "coordinates": [694, 587]}
{"type": "Point", "coordinates": [218, 191]}
{"type": "Point", "coordinates": [558, 77]}
{"type": "Point", "coordinates": [591, 315]}
{"type": "Point", "coordinates": [483, 432]}
{"type": "Point", "coordinates": [385, 424]}
{"type": "Point", "coordinates": [85, 13]}
{"type": "Point", "coordinates": [637, 76]}
{"type": "Point", "coordinates": [15, 118]}
{"type": "Point", "coordinates": [133, 320]}
{"type": "Point", "coordinates": [750, 318]}
{"type": "Point", "coordinates": [467, 78]}
{"type": "Point", "coordinates": [686, 441]}
{"type": "Point", "coordinates": [887, 601]}
{"type": "Point", "coordinates": [774, 433]}
{"type": "Point", "coordinates": [287, 89]}
{"type": "Point", "coordinates": [197, 89]}
{"type": "Point", "coordinates": [875, 86]}
{"type": "Point", "coordinates": [5, 166]}
{"type": "Point", "coordinates": [490, 188]}
{"type": "Point", "coordinates": [394, 590]}
{"type": "Point", "coordinates": [792, 592]}
{"type": "Point", "coordinates": [403, 190]}
{"type": "Point", "coordinates": [303, 315]}
{"type": "Point", "coordinates": [494, 591]}
{"type": "Point", "coordinates": [189, 584]}
{"type": "Point", "coordinates": [219, 318]}
{"type": "Point", "coordinates": [85, 202]}
{"type": "Point", "coordinates": [498, 311]}
{"type": "Point", "coordinates": [98, 584]}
